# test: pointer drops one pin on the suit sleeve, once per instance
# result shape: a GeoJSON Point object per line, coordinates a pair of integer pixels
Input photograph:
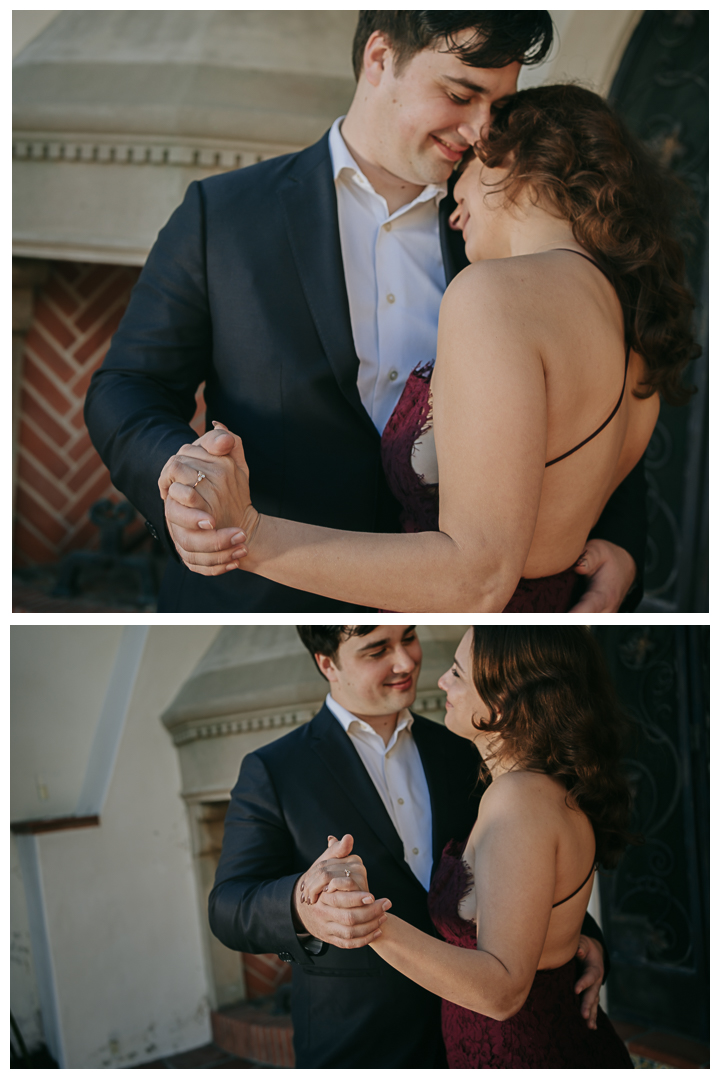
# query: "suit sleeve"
{"type": "Point", "coordinates": [624, 522]}
{"type": "Point", "coordinates": [591, 929]}
{"type": "Point", "coordinates": [140, 402]}
{"type": "Point", "coordinates": [250, 906]}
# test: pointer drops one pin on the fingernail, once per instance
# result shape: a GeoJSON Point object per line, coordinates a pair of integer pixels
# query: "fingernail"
{"type": "Point", "coordinates": [367, 899]}
{"type": "Point", "coordinates": [386, 905]}
{"type": "Point", "coordinates": [376, 934]}
{"type": "Point", "coordinates": [240, 553]}
{"type": "Point", "coordinates": [382, 919]}
{"type": "Point", "coordinates": [237, 538]}
{"type": "Point", "coordinates": [215, 423]}
{"type": "Point", "coordinates": [205, 525]}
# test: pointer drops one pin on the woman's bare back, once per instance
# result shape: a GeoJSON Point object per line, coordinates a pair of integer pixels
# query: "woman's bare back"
{"type": "Point", "coordinates": [574, 859]}
{"type": "Point", "coordinates": [564, 311]}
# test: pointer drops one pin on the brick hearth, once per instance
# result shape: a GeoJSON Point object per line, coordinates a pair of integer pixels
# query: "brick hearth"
{"type": "Point", "coordinates": [60, 475]}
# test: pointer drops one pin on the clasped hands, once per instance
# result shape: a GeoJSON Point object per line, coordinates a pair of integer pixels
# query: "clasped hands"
{"type": "Point", "coordinates": [211, 520]}
{"type": "Point", "coordinates": [332, 902]}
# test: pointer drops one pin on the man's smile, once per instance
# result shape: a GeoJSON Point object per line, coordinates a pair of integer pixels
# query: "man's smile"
{"type": "Point", "coordinates": [402, 684]}
{"type": "Point", "coordinates": [452, 151]}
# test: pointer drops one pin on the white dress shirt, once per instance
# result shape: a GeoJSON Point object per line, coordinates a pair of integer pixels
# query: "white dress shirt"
{"type": "Point", "coordinates": [394, 277]}
{"type": "Point", "coordinates": [399, 778]}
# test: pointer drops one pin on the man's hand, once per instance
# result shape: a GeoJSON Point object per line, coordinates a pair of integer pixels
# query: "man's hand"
{"type": "Point", "coordinates": [348, 917]}
{"type": "Point", "coordinates": [611, 571]}
{"type": "Point", "coordinates": [192, 518]}
{"type": "Point", "coordinates": [590, 951]}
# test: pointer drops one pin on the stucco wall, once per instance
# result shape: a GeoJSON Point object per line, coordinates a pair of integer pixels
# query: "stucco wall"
{"type": "Point", "coordinates": [122, 918]}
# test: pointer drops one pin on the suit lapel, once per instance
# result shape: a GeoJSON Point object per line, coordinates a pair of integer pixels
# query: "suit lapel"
{"type": "Point", "coordinates": [436, 770]}
{"type": "Point", "coordinates": [452, 244]}
{"type": "Point", "coordinates": [309, 203]}
{"type": "Point", "coordinates": [337, 752]}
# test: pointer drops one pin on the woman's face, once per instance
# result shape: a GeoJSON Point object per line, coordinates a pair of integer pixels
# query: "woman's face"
{"type": "Point", "coordinates": [481, 211]}
{"type": "Point", "coordinates": [463, 701]}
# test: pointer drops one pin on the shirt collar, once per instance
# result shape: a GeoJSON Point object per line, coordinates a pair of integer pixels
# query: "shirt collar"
{"type": "Point", "coordinates": [346, 718]}
{"type": "Point", "coordinates": [342, 159]}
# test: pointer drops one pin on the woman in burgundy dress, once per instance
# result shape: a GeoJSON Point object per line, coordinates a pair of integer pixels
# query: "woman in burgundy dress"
{"type": "Point", "coordinates": [508, 901]}
{"type": "Point", "coordinates": [553, 348]}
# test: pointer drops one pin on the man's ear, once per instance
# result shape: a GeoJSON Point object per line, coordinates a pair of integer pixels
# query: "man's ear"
{"type": "Point", "coordinates": [327, 667]}
{"type": "Point", "coordinates": [377, 58]}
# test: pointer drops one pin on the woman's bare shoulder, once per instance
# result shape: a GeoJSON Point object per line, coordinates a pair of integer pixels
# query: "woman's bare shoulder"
{"type": "Point", "coordinates": [490, 276]}
{"type": "Point", "coordinates": [519, 792]}
{"type": "Point", "coordinates": [507, 298]}
{"type": "Point", "coordinates": [518, 804]}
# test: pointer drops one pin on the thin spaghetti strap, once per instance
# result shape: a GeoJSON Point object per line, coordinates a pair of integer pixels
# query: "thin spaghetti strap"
{"type": "Point", "coordinates": [593, 867]}
{"type": "Point", "coordinates": [603, 425]}
{"type": "Point", "coordinates": [584, 256]}
{"type": "Point", "coordinates": [622, 392]}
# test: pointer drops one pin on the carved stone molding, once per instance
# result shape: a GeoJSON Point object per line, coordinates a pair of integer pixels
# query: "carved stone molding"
{"type": "Point", "coordinates": [215, 155]}
{"type": "Point", "coordinates": [235, 724]}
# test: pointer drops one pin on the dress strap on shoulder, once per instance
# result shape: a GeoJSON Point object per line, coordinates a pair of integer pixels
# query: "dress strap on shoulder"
{"type": "Point", "coordinates": [622, 392]}
{"type": "Point", "coordinates": [582, 255]}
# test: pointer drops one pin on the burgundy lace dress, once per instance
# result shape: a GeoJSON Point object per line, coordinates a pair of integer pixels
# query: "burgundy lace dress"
{"type": "Point", "coordinates": [548, 1032]}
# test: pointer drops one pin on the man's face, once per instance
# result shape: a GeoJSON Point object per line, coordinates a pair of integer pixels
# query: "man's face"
{"type": "Point", "coordinates": [427, 117]}
{"type": "Point", "coordinates": [376, 675]}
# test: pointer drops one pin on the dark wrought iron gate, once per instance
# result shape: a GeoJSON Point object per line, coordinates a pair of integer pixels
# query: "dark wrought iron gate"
{"type": "Point", "coordinates": [655, 906]}
{"type": "Point", "coordinates": [661, 88]}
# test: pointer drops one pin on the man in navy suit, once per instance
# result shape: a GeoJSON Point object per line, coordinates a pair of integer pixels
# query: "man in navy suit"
{"type": "Point", "coordinates": [303, 291]}
{"type": "Point", "coordinates": [401, 786]}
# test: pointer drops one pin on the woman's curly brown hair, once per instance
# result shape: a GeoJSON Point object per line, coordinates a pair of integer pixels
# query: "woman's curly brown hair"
{"type": "Point", "coordinates": [582, 163]}
{"type": "Point", "coordinates": [553, 709]}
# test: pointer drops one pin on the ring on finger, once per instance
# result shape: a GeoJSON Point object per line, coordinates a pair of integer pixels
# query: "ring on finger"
{"type": "Point", "coordinates": [347, 873]}
{"type": "Point", "coordinates": [201, 476]}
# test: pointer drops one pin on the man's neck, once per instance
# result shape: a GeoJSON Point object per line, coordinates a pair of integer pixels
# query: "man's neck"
{"type": "Point", "coordinates": [384, 726]}
{"type": "Point", "coordinates": [395, 191]}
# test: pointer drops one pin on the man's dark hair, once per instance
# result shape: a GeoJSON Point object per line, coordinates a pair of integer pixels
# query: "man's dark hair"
{"type": "Point", "coordinates": [500, 37]}
{"type": "Point", "coordinates": [328, 639]}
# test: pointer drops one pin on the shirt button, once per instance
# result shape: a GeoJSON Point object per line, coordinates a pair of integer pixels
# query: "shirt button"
{"type": "Point", "coordinates": [387, 226]}
{"type": "Point", "coordinates": [401, 801]}
{"type": "Point", "coordinates": [390, 298]}
{"type": "Point", "coordinates": [393, 376]}
{"type": "Point", "coordinates": [415, 851]}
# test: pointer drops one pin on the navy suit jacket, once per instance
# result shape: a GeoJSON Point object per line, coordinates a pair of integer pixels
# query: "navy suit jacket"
{"type": "Point", "coordinates": [350, 1009]}
{"type": "Point", "coordinates": [244, 290]}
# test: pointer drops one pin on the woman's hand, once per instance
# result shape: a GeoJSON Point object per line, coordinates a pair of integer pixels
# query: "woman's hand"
{"type": "Point", "coordinates": [345, 916]}
{"type": "Point", "coordinates": [205, 486]}
{"type": "Point", "coordinates": [331, 873]}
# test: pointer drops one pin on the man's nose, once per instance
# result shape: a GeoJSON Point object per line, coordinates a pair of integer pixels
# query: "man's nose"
{"type": "Point", "coordinates": [476, 127]}
{"type": "Point", "coordinates": [403, 660]}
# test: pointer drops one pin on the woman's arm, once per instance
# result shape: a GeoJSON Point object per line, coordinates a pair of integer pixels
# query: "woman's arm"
{"type": "Point", "coordinates": [491, 437]}
{"type": "Point", "coordinates": [514, 871]}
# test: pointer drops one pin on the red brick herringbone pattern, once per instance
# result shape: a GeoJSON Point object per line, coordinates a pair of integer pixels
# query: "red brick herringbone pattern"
{"type": "Point", "coordinates": [59, 473]}
{"type": "Point", "coordinates": [264, 972]}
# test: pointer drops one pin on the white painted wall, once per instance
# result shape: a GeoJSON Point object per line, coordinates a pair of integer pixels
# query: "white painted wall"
{"type": "Point", "coordinates": [588, 48]}
{"type": "Point", "coordinates": [55, 713]}
{"type": "Point", "coordinates": [120, 904]}
{"type": "Point", "coordinates": [24, 999]}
